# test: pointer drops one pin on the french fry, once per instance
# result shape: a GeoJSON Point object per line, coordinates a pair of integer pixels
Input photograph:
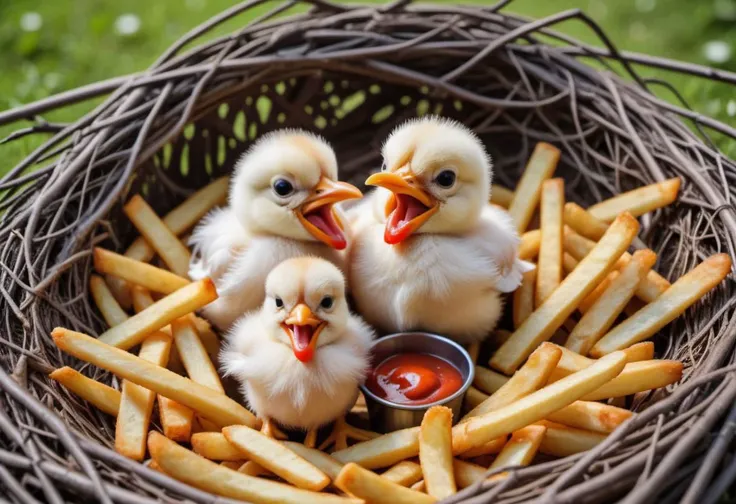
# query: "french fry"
{"type": "Point", "coordinates": [530, 377]}
{"type": "Point", "coordinates": [142, 299]}
{"type": "Point", "coordinates": [549, 263]}
{"type": "Point", "coordinates": [637, 202]}
{"type": "Point", "coordinates": [137, 272]}
{"type": "Point", "coordinates": [173, 252]}
{"type": "Point", "coordinates": [592, 416]}
{"type": "Point", "coordinates": [153, 465]}
{"type": "Point", "coordinates": [649, 289]}
{"type": "Point", "coordinates": [179, 220]}
{"type": "Point", "coordinates": [572, 362]}
{"type": "Point", "coordinates": [404, 473]}
{"type": "Point", "coordinates": [163, 312]}
{"type": "Point", "coordinates": [99, 395]}
{"type": "Point", "coordinates": [435, 452]}
{"type": "Point", "coordinates": [540, 167]}
{"type": "Point", "coordinates": [136, 403]}
{"type": "Point", "coordinates": [583, 223]}
{"type": "Point", "coordinates": [194, 356]}
{"type": "Point", "coordinates": [473, 397]}
{"type": "Point", "coordinates": [639, 377]}
{"type": "Point", "coordinates": [106, 302]}
{"type": "Point", "coordinates": [487, 380]}
{"type": "Point", "coordinates": [602, 314]}
{"type": "Point", "coordinates": [520, 449]}
{"type": "Point", "coordinates": [176, 419]}
{"type": "Point", "coordinates": [492, 447]}
{"type": "Point", "coordinates": [544, 321]}
{"type": "Point", "coordinates": [207, 402]}
{"type": "Point", "coordinates": [374, 489]}
{"type": "Point", "coordinates": [383, 451]}
{"type": "Point", "coordinates": [419, 486]}
{"type": "Point", "coordinates": [276, 457]}
{"type": "Point", "coordinates": [562, 441]}
{"type": "Point", "coordinates": [593, 297]}
{"type": "Point", "coordinates": [467, 473]}
{"type": "Point", "coordinates": [569, 263]}
{"type": "Point", "coordinates": [215, 446]}
{"type": "Point", "coordinates": [324, 462]}
{"type": "Point", "coordinates": [253, 469]}
{"type": "Point", "coordinates": [501, 196]}
{"type": "Point", "coordinates": [537, 405]}
{"type": "Point", "coordinates": [523, 298]}
{"type": "Point", "coordinates": [232, 464]}
{"type": "Point", "coordinates": [529, 245]}
{"type": "Point", "coordinates": [679, 297]}
{"type": "Point", "coordinates": [192, 469]}
{"type": "Point", "coordinates": [473, 351]}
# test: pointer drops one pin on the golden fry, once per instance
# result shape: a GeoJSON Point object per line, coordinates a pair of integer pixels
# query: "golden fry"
{"type": "Point", "coordinates": [276, 457]}
{"type": "Point", "coordinates": [404, 473]}
{"type": "Point", "coordinates": [501, 196]}
{"type": "Point", "coordinates": [679, 297]}
{"type": "Point", "coordinates": [492, 447]}
{"type": "Point", "coordinates": [163, 312]}
{"type": "Point", "coordinates": [215, 446]}
{"type": "Point", "coordinates": [530, 243]}
{"type": "Point", "coordinates": [383, 451]}
{"type": "Point", "coordinates": [99, 395]}
{"type": "Point", "coordinates": [637, 202]}
{"type": "Point", "coordinates": [549, 263]}
{"type": "Point", "coordinates": [137, 272]}
{"type": "Point", "coordinates": [544, 321]}
{"type": "Point", "coordinates": [583, 223]}
{"type": "Point", "coordinates": [572, 362]}
{"type": "Point", "coordinates": [106, 303]}
{"type": "Point", "coordinates": [136, 403]}
{"type": "Point", "coordinates": [520, 449]}
{"type": "Point", "coordinates": [639, 377]}
{"type": "Point", "coordinates": [540, 167]}
{"type": "Point", "coordinates": [649, 289]}
{"type": "Point", "coordinates": [173, 252]}
{"type": "Point", "coordinates": [473, 397]}
{"type": "Point", "coordinates": [487, 380]}
{"type": "Point", "coordinates": [467, 473]}
{"type": "Point", "coordinates": [603, 313]}
{"type": "Point", "coordinates": [207, 402]}
{"type": "Point", "coordinates": [562, 441]}
{"type": "Point", "coordinates": [435, 452]}
{"type": "Point", "coordinates": [530, 377]}
{"type": "Point", "coordinates": [537, 405]}
{"type": "Point", "coordinates": [194, 356]}
{"type": "Point", "coordinates": [176, 419]}
{"type": "Point", "coordinates": [192, 469]}
{"type": "Point", "coordinates": [523, 298]}
{"type": "Point", "coordinates": [593, 297]}
{"type": "Point", "coordinates": [324, 462]}
{"type": "Point", "coordinates": [374, 489]}
{"type": "Point", "coordinates": [592, 416]}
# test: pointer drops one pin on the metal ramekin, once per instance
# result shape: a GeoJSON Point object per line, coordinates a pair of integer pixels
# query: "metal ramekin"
{"type": "Point", "coordinates": [387, 416]}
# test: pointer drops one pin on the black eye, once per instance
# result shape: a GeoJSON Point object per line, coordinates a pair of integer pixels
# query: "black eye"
{"type": "Point", "coordinates": [326, 302]}
{"type": "Point", "coordinates": [283, 187]}
{"type": "Point", "coordinates": [446, 178]}
{"type": "Point", "coordinates": [279, 302]}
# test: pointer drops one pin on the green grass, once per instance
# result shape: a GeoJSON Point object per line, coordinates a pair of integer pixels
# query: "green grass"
{"type": "Point", "coordinates": [77, 44]}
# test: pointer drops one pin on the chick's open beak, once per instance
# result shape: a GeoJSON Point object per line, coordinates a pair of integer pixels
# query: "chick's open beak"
{"type": "Point", "coordinates": [317, 215]}
{"type": "Point", "coordinates": [409, 206]}
{"type": "Point", "coordinates": [303, 329]}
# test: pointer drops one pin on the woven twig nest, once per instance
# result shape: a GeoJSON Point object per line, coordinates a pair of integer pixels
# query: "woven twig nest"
{"type": "Point", "coordinates": [352, 74]}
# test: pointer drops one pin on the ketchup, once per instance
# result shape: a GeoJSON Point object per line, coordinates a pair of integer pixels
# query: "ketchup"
{"type": "Point", "coordinates": [414, 379]}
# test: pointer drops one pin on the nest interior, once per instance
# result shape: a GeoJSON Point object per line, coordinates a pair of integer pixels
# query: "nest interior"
{"type": "Point", "coordinates": [351, 74]}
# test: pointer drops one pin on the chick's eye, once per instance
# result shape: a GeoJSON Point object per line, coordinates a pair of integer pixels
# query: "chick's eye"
{"type": "Point", "coordinates": [326, 302]}
{"type": "Point", "coordinates": [283, 187]}
{"type": "Point", "coordinates": [446, 178]}
{"type": "Point", "coordinates": [279, 302]}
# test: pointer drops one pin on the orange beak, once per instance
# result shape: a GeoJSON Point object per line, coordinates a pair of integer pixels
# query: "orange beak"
{"type": "Point", "coordinates": [319, 218]}
{"type": "Point", "coordinates": [303, 329]}
{"type": "Point", "coordinates": [409, 206]}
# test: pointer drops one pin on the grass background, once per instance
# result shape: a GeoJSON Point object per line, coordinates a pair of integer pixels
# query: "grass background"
{"type": "Point", "coordinates": [50, 46]}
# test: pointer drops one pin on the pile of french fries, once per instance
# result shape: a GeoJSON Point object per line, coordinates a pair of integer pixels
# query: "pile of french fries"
{"type": "Point", "coordinates": [555, 386]}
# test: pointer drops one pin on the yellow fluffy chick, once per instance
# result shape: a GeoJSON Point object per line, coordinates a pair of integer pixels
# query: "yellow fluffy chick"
{"type": "Point", "coordinates": [301, 357]}
{"type": "Point", "coordinates": [429, 252]}
{"type": "Point", "coordinates": [281, 205]}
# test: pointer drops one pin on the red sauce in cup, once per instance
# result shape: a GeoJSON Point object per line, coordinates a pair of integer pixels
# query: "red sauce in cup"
{"type": "Point", "coordinates": [414, 379]}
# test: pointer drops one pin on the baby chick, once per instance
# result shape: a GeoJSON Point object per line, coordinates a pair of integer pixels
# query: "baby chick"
{"type": "Point", "coordinates": [431, 253]}
{"type": "Point", "coordinates": [300, 357]}
{"type": "Point", "coordinates": [282, 205]}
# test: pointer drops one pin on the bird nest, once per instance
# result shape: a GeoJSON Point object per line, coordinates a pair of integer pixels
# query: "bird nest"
{"type": "Point", "coordinates": [352, 73]}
